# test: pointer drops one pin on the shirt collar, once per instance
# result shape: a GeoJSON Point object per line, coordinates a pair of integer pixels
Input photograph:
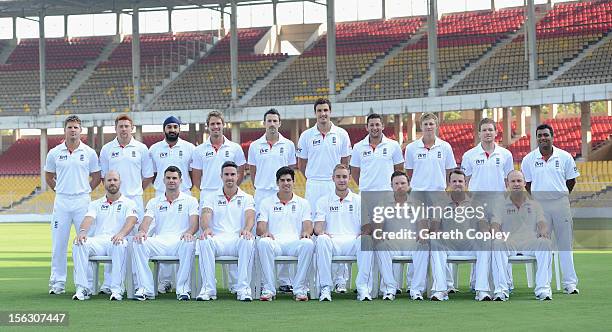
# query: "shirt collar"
{"type": "Point", "coordinates": [238, 193]}
{"type": "Point", "coordinates": [225, 141]}
{"type": "Point", "coordinates": [366, 140]}
{"type": "Point", "coordinates": [482, 151]}
{"type": "Point", "coordinates": [80, 147]}
{"type": "Point", "coordinates": [293, 199]}
{"type": "Point", "coordinates": [263, 140]}
{"type": "Point", "coordinates": [348, 198]}
{"type": "Point", "coordinates": [332, 130]}
{"type": "Point", "coordinates": [437, 142]}
{"type": "Point", "coordinates": [555, 153]}
{"type": "Point", "coordinates": [179, 141]}
{"type": "Point", "coordinates": [180, 197]}
{"type": "Point", "coordinates": [130, 143]}
{"type": "Point", "coordinates": [120, 199]}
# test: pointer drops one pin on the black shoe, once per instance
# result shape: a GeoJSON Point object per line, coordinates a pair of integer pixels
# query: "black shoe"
{"type": "Point", "coordinates": [398, 291]}
{"type": "Point", "coordinates": [285, 289]}
{"type": "Point", "coordinates": [184, 297]}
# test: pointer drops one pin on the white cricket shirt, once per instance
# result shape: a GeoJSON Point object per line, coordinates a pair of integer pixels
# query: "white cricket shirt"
{"type": "Point", "coordinates": [323, 152]}
{"type": "Point", "coordinates": [132, 161]}
{"type": "Point", "coordinates": [376, 164]}
{"type": "Point", "coordinates": [429, 165]}
{"type": "Point", "coordinates": [210, 160]}
{"type": "Point", "coordinates": [269, 158]}
{"type": "Point", "coordinates": [172, 218]}
{"type": "Point", "coordinates": [284, 218]}
{"type": "Point", "coordinates": [488, 172]}
{"type": "Point", "coordinates": [72, 169]}
{"type": "Point", "coordinates": [180, 155]}
{"type": "Point", "coordinates": [111, 216]}
{"type": "Point", "coordinates": [341, 217]}
{"type": "Point", "coordinates": [228, 215]}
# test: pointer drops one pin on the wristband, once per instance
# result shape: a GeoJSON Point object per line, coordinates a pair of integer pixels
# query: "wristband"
{"type": "Point", "coordinates": [82, 230]}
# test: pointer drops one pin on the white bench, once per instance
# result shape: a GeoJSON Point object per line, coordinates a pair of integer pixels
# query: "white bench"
{"type": "Point", "coordinates": [100, 259]}
{"type": "Point", "coordinates": [314, 294]}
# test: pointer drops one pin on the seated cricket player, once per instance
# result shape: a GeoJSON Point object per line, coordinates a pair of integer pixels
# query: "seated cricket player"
{"type": "Point", "coordinates": [458, 200]}
{"type": "Point", "coordinates": [176, 221]}
{"type": "Point", "coordinates": [529, 235]}
{"type": "Point", "coordinates": [338, 227]}
{"type": "Point", "coordinates": [227, 221]}
{"type": "Point", "coordinates": [285, 228]}
{"type": "Point", "coordinates": [417, 248]}
{"type": "Point", "coordinates": [113, 216]}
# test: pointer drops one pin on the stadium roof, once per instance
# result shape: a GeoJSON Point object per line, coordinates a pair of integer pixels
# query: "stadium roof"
{"type": "Point", "coordinates": [25, 8]}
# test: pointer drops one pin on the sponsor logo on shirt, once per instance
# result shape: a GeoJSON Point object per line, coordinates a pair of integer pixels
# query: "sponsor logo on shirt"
{"type": "Point", "coordinates": [64, 157]}
{"type": "Point", "coordinates": [278, 209]}
{"type": "Point", "coordinates": [209, 154]}
{"type": "Point", "coordinates": [163, 154]}
{"type": "Point", "coordinates": [510, 211]}
{"type": "Point", "coordinates": [115, 154]}
{"type": "Point", "coordinates": [316, 142]}
{"type": "Point", "coordinates": [480, 162]}
{"type": "Point", "coordinates": [104, 207]}
{"type": "Point", "coordinates": [299, 150]}
{"type": "Point", "coordinates": [366, 154]}
{"type": "Point", "coordinates": [333, 209]}
{"type": "Point", "coordinates": [221, 202]}
{"type": "Point", "coordinates": [421, 155]}
{"type": "Point", "coordinates": [539, 164]}
{"type": "Point", "coordinates": [163, 208]}
{"type": "Point", "coordinates": [264, 150]}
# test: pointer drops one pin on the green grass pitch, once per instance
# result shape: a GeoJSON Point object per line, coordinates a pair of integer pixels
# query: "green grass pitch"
{"type": "Point", "coordinates": [24, 272]}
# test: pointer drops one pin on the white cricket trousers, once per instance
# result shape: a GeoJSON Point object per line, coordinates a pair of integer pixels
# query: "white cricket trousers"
{"type": "Point", "coordinates": [327, 247]}
{"type": "Point", "coordinates": [391, 281]}
{"type": "Point", "coordinates": [100, 245]}
{"type": "Point", "coordinates": [559, 215]}
{"type": "Point", "coordinates": [268, 249]}
{"type": "Point", "coordinates": [67, 210]}
{"type": "Point", "coordinates": [543, 255]}
{"type": "Point", "coordinates": [226, 245]}
{"type": "Point", "coordinates": [164, 245]}
{"type": "Point", "coordinates": [440, 268]}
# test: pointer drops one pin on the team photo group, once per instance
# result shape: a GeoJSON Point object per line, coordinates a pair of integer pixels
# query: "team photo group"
{"type": "Point", "coordinates": [325, 223]}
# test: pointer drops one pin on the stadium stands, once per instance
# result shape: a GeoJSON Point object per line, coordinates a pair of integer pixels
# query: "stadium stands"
{"type": "Point", "coordinates": [563, 33]}
{"type": "Point", "coordinates": [13, 189]}
{"type": "Point", "coordinates": [596, 68]}
{"type": "Point", "coordinates": [208, 84]}
{"type": "Point", "coordinates": [359, 44]}
{"type": "Point", "coordinates": [110, 88]}
{"type": "Point", "coordinates": [462, 39]}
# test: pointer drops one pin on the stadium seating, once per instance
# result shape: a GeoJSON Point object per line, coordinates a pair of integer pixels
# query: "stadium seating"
{"type": "Point", "coordinates": [19, 77]}
{"type": "Point", "coordinates": [462, 39]}
{"type": "Point", "coordinates": [563, 33]}
{"type": "Point", "coordinates": [110, 88]}
{"type": "Point", "coordinates": [13, 189]}
{"type": "Point", "coordinates": [208, 84]}
{"type": "Point", "coordinates": [596, 68]}
{"type": "Point", "coordinates": [359, 44]}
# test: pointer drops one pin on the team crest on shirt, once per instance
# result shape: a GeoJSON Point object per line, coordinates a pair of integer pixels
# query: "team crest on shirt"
{"type": "Point", "coordinates": [282, 150]}
{"type": "Point", "coordinates": [384, 151]}
{"type": "Point", "coordinates": [163, 208]}
{"type": "Point", "coordinates": [334, 140]}
{"type": "Point", "coordinates": [351, 208]}
{"type": "Point", "coordinates": [421, 155]}
{"type": "Point", "coordinates": [539, 164]}
{"type": "Point", "coordinates": [227, 154]}
{"type": "Point", "coordinates": [133, 154]}
{"type": "Point", "coordinates": [180, 208]}
{"type": "Point", "coordinates": [82, 157]}
{"type": "Point", "coordinates": [64, 157]}
{"type": "Point", "coordinates": [557, 164]}
{"type": "Point", "coordinates": [293, 208]}
{"type": "Point", "coordinates": [529, 210]}
{"type": "Point", "coordinates": [239, 202]}
{"type": "Point", "coordinates": [439, 154]}
{"type": "Point", "coordinates": [497, 161]}
{"type": "Point", "coordinates": [316, 142]}
{"type": "Point", "coordinates": [180, 154]}
{"type": "Point", "coordinates": [163, 154]}
{"type": "Point", "coordinates": [115, 154]}
{"type": "Point", "coordinates": [119, 208]}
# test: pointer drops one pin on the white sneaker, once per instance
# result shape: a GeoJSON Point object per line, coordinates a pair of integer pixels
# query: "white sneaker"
{"type": "Point", "coordinates": [106, 290]}
{"type": "Point", "coordinates": [483, 296]}
{"type": "Point", "coordinates": [301, 297]}
{"type": "Point", "coordinates": [56, 290]}
{"type": "Point", "coordinates": [244, 296]}
{"type": "Point", "coordinates": [325, 295]}
{"type": "Point", "coordinates": [388, 297]}
{"type": "Point", "coordinates": [116, 297]}
{"type": "Point", "coordinates": [500, 297]}
{"type": "Point", "coordinates": [266, 295]}
{"type": "Point", "coordinates": [452, 290]}
{"type": "Point", "coordinates": [164, 287]}
{"type": "Point", "coordinates": [417, 296]}
{"type": "Point", "coordinates": [363, 297]}
{"type": "Point", "coordinates": [140, 295]}
{"type": "Point", "coordinates": [204, 296]}
{"type": "Point", "coordinates": [340, 288]}
{"type": "Point", "coordinates": [571, 290]}
{"type": "Point", "coordinates": [439, 296]}
{"type": "Point", "coordinates": [81, 294]}
{"type": "Point", "coordinates": [544, 296]}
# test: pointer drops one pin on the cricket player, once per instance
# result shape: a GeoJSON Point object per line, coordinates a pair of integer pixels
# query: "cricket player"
{"type": "Point", "coordinates": [113, 216]}
{"type": "Point", "coordinates": [227, 222]}
{"type": "Point", "coordinates": [320, 149]}
{"type": "Point", "coordinates": [171, 151]}
{"type": "Point", "coordinates": [486, 166]}
{"type": "Point", "coordinates": [176, 221]}
{"type": "Point", "coordinates": [285, 228]}
{"type": "Point", "coordinates": [210, 155]}
{"type": "Point", "coordinates": [375, 157]}
{"type": "Point", "coordinates": [266, 155]}
{"type": "Point", "coordinates": [338, 229]}
{"type": "Point", "coordinates": [429, 159]}
{"type": "Point", "coordinates": [550, 175]}
{"type": "Point", "coordinates": [459, 246]}
{"type": "Point", "coordinates": [524, 219]}
{"type": "Point", "coordinates": [68, 169]}
{"type": "Point", "coordinates": [417, 248]}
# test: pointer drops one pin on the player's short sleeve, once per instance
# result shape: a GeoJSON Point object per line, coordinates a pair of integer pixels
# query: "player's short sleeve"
{"type": "Point", "coordinates": [50, 162]}
{"type": "Point", "coordinates": [196, 162]}
{"type": "Point", "coordinates": [92, 210]}
{"type": "Point", "coordinates": [466, 164]}
{"type": "Point", "coordinates": [130, 209]}
{"type": "Point", "coordinates": [94, 163]}
{"type": "Point", "coordinates": [409, 157]}
{"type": "Point", "coordinates": [508, 163]}
{"type": "Point", "coordinates": [239, 155]}
{"type": "Point", "coordinates": [208, 202]}
{"type": "Point", "coordinates": [263, 214]}
{"type": "Point", "coordinates": [104, 160]}
{"type": "Point", "coordinates": [356, 157]}
{"type": "Point", "coordinates": [252, 155]}
{"type": "Point", "coordinates": [146, 166]}
{"type": "Point", "coordinates": [249, 203]}
{"type": "Point", "coordinates": [526, 168]}
{"type": "Point", "coordinates": [571, 170]}
{"type": "Point", "coordinates": [397, 154]}
{"type": "Point", "coordinates": [151, 155]}
{"type": "Point", "coordinates": [150, 209]}
{"type": "Point", "coordinates": [321, 209]}
{"type": "Point", "coordinates": [306, 211]}
{"type": "Point", "coordinates": [302, 148]}
{"type": "Point", "coordinates": [291, 154]}
{"type": "Point", "coordinates": [345, 148]}
{"type": "Point", "coordinates": [450, 162]}
{"type": "Point", "coordinates": [193, 207]}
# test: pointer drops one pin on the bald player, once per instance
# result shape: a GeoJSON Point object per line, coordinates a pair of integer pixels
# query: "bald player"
{"type": "Point", "coordinates": [530, 235]}
{"type": "Point", "coordinates": [176, 221]}
{"type": "Point", "coordinates": [72, 171]}
{"type": "Point", "coordinates": [113, 217]}
{"type": "Point", "coordinates": [320, 149]}
{"type": "Point", "coordinates": [550, 175]}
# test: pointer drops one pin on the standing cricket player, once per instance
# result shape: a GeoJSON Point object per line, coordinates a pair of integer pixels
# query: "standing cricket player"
{"type": "Point", "coordinates": [338, 230]}
{"type": "Point", "coordinates": [113, 216]}
{"type": "Point", "coordinates": [266, 155]}
{"type": "Point", "coordinates": [524, 219]}
{"type": "Point", "coordinates": [320, 149]}
{"type": "Point", "coordinates": [227, 221]}
{"type": "Point", "coordinates": [550, 175]}
{"type": "Point", "coordinates": [285, 227]}
{"type": "Point", "coordinates": [68, 169]}
{"type": "Point", "coordinates": [459, 246]}
{"type": "Point", "coordinates": [375, 157]}
{"type": "Point", "coordinates": [418, 248]}
{"type": "Point", "coordinates": [176, 221]}
{"type": "Point", "coordinates": [172, 151]}
{"type": "Point", "coordinates": [210, 155]}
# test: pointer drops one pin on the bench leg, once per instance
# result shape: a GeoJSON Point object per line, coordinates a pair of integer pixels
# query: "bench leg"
{"type": "Point", "coordinates": [96, 272]}
{"type": "Point", "coordinates": [129, 274]}
{"type": "Point", "coordinates": [155, 276]}
{"type": "Point", "coordinates": [529, 271]}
